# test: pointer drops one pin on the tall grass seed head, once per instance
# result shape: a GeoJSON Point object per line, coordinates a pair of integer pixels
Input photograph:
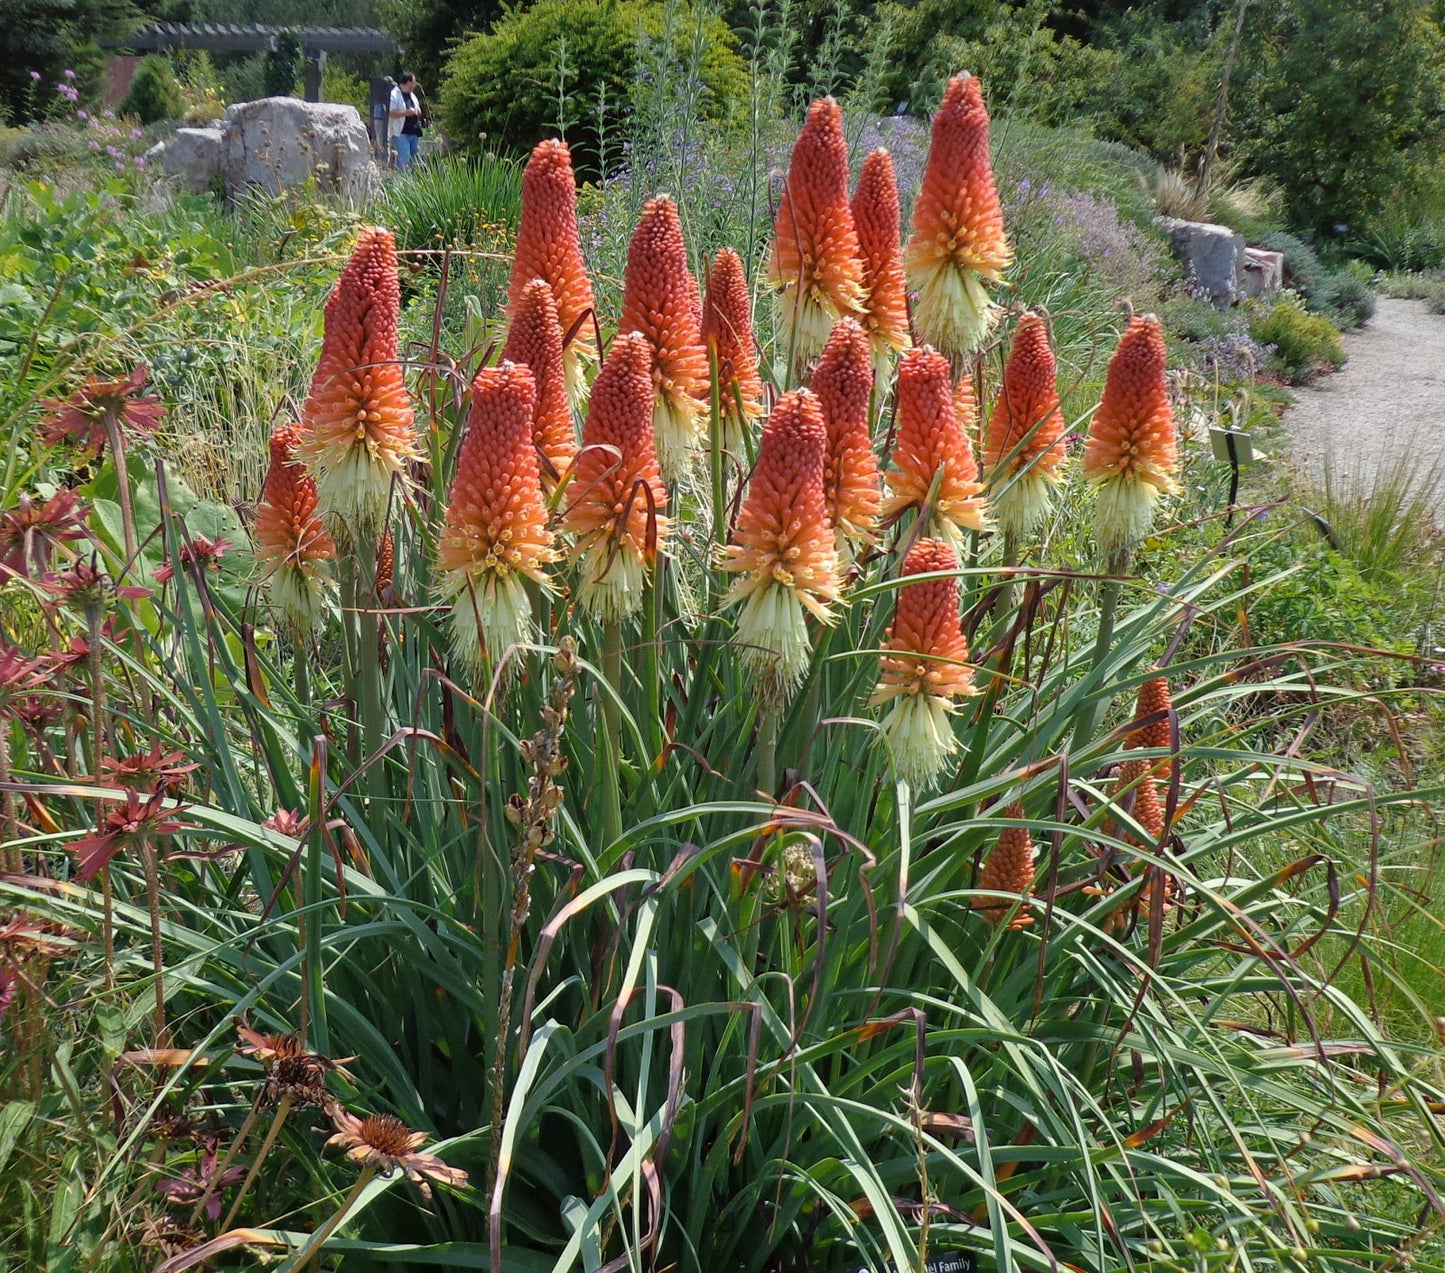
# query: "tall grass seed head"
{"type": "Point", "coordinates": [783, 547]}
{"type": "Point", "coordinates": [494, 537]}
{"type": "Point", "coordinates": [1024, 444]}
{"type": "Point", "coordinates": [535, 339]}
{"type": "Point", "coordinates": [727, 331]}
{"type": "Point", "coordinates": [548, 247]}
{"type": "Point", "coordinates": [1132, 453]}
{"type": "Point", "coordinates": [660, 300]}
{"type": "Point", "coordinates": [815, 263]}
{"type": "Point", "coordinates": [876, 218]}
{"type": "Point", "coordinates": [924, 668]}
{"type": "Point", "coordinates": [843, 382]}
{"type": "Point", "coordinates": [357, 432]}
{"type": "Point", "coordinates": [933, 467]}
{"type": "Point", "coordinates": [958, 244]}
{"type": "Point", "coordinates": [618, 501]}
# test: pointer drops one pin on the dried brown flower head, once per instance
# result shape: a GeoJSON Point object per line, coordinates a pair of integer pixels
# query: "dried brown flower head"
{"type": "Point", "coordinates": [383, 1143]}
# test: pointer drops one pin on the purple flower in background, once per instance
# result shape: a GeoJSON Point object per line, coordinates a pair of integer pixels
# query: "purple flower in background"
{"type": "Point", "coordinates": [140, 161]}
{"type": "Point", "coordinates": [1025, 186]}
{"type": "Point", "coordinates": [109, 114]}
{"type": "Point", "coordinates": [120, 165]}
{"type": "Point", "coordinates": [135, 134]}
{"type": "Point", "coordinates": [35, 75]}
{"type": "Point", "coordinates": [82, 115]}
{"type": "Point", "coordinates": [68, 73]}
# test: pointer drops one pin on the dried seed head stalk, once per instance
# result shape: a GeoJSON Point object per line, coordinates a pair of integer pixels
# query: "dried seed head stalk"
{"type": "Point", "coordinates": [618, 499]}
{"type": "Point", "coordinates": [727, 330]}
{"type": "Point", "coordinates": [815, 264]}
{"type": "Point", "coordinates": [1131, 453]}
{"type": "Point", "coordinates": [924, 669]}
{"type": "Point", "coordinates": [880, 247]}
{"type": "Point", "coordinates": [958, 242]}
{"type": "Point", "coordinates": [1024, 445]}
{"type": "Point", "coordinates": [535, 339]}
{"type": "Point", "coordinates": [783, 547]}
{"type": "Point", "coordinates": [932, 447]}
{"type": "Point", "coordinates": [495, 535]}
{"type": "Point", "coordinates": [843, 382]}
{"type": "Point", "coordinates": [658, 302]}
{"type": "Point", "coordinates": [548, 248]}
{"type": "Point", "coordinates": [1009, 868]}
{"type": "Point", "coordinates": [357, 431]}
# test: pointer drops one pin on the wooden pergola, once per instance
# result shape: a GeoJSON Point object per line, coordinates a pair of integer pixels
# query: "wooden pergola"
{"type": "Point", "coordinates": [253, 37]}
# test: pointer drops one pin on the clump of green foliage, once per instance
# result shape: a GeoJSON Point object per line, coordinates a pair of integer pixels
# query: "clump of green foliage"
{"type": "Point", "coordinates": [154, 93]}
{"type": "Point", "coordinates": [1304, 343]}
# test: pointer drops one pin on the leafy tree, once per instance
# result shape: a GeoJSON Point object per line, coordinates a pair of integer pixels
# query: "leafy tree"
{"type": "Point", "coordinates": [283, 66]}
{"type": "Point", "coordinates": [153, 93]}
{"type": "Point", "coordinates": [50, 37]}
{"type": "Point", "coordinates": [429, 29]}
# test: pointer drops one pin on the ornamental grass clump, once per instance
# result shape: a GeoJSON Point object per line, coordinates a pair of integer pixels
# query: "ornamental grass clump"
{"type": "Point", "coordinates": [618, 502]}
{"type": "Point", "coordinates": [494, 539]}
{"type": "Point", "coordinates": [535, 340]}
{"type": "Point", "coordinates": [958, 244]}
{"type": "Point", "coordinates": [1023, 447]}
{"type": "Point", "coordinates": [815, 265]}
{"type": "Point", "coordinates": [932, 469]}
{"type": "Point", "coordinates": [880, 248]}
{"type": "Point", "coordinates": [357, 433]}
{"type": "Point", "coordinates": [843, 382]}
{"type": "Point", "coordinates": [548, 248]}
{"type": "Point", "coordinates": [660, 300]}
{"type": "Point", "coordinates": [291, 546]}
{"type": "Point", "coordinates": [1131, 454]}
{"type": "Point", "coordinates": [727, 332]}
{"type": "Point", "coordinates": [924, 669]}
{"type": "Point", "coordinates": [783, 549]}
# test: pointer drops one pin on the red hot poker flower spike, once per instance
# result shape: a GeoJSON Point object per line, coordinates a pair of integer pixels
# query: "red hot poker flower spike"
{"type": "Point", "coordinates": [1131, 453]}
{"type": "Point", "coordinates": [1024, 445]}
{"type": "Point", "coordinates": [727, 330]}
{"type": "Point", "coordinates": [783, 547]}
{"type": "Point", "coordinates": [925, 668]}
{"type": "Point", "coordinates": [843, 382]}
{"type": "Point", "coordinates": [357, 432]}
{"type": "Point", "coordinates": [931, 447]}
{"type": "Point", "coordinates": [815, 263]}
{"type": "Point", "coordinates": [1009, 868]}
{"type": "Point", "coordinates": [495, 534]}
{"type": "Point", "coordinates": [618, 499]}
{"type": "Point", "coordinates": [292, 546]}
{"type": "Point", "coordinates": [535, 339]}
{"type": "Point", "coordinates": [658, 302]}
{"type": "Point", "coordinates": [958, 242]}
{"type": "Point", "coordinates": [880, 247]}
{"type": "Point", "coordinates": [548, 248]}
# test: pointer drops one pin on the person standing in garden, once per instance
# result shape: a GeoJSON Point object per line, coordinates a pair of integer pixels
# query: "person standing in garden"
{"type": "Point", "coordinates": [405, 114]}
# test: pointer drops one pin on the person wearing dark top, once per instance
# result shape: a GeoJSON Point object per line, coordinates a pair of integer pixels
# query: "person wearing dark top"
{"type": "Point", "coordinates": [405, 115]}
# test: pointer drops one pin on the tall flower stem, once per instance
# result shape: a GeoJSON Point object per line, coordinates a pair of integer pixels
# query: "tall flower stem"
{"type": "Point", "coordinates": [768, 722]}
{"type": "Point", "coordinates": [1004, 603]}
{"type": "Point", "coordinates": [151, 859]}
{"type": "Point", "coordinates": [97, 749]}
{"type": "Point", "coordinates": [272, 1132]}
{"type": "Point", "coordinates": [368, 665]}
{"type": "Point", "coordinates": [1116, 566]}
{"type": "Point", "coordinates": [312, 1250]}
{"type": "Point", "coordinates": [609, 749]}
{"type": "Point", "coordinates": [116, 441]}
{"type": "Point", "coordinates": [220, 1172]}
{"type": "Point", "coordinates": [13, 861]}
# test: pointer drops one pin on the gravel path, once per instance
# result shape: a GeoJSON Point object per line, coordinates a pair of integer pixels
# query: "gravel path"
{"type": "Point", "coordinates": [1387, 399]}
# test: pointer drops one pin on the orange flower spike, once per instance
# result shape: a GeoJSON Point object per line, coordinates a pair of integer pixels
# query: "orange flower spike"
{"type": "Point", "coordinates": [880, 247]}
{"type": "Point", "coordinates": [548, 248]}
{"type": "Point", "coordinates": [1153, 699]}
{"type": "Point", "coordinates": [925, 666]}
{"type": "Point", "coordinates": [843, 382]}
{"type": "Point", "coordinates": [1009, 868]}
{"type": "Point", "coordinates": [618, 498]}
{"type": "Point", "coordinates": [535, 339]}
{"type": "Point", "coordinates": [727, 331]}
{"type": "Point", "coordinates": [1131, 453]}
{"type": "Point", "coordinates": [292, 546]}
{"type": "Point", "coordinates": [783, 547]}
{"type": "Point", "coordinates": [958, 242]}
{"type": "Point", "coordinates": [1135, 784]}
{"type": "Point", "coordinates": [494, 536]}
{"type": "Point", "coordinates": [1024, 444]}
{"type": "Point", "coordinates": [815, 263]}
{"type": "Point", "coordinates": [357, 433]}
{"type": "Point", "coordinates": [932, 445]}
{"type": "Point", "coordinates": [658, 302]}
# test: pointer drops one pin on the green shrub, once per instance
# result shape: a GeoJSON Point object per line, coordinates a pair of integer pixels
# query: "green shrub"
{"type": "Point", "coordinates": [1412, 285]}
{"type": "Point", "coordinates": [1435, 300]}
{"type": "Point", "coordinates": [1303, 343]}
{"type": "Point", "coordinates": [154, 93]}
{"type": "Point", "coordinates": [544, 70]}
{"type": "Point", "coordinates": [1404, 242]}
{"type": "Point", "coordinates": [1345, 297]}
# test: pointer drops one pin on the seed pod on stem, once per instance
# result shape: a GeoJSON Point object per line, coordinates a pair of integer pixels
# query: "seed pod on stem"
{"type": "Point", "coordinates": [958, 242]}
{"type": "Point", "coordinates": [924, 669]}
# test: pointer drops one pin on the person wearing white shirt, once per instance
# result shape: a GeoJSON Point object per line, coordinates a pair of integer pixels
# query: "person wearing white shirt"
{"type": "Point", "coordinates": [405, 124]}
